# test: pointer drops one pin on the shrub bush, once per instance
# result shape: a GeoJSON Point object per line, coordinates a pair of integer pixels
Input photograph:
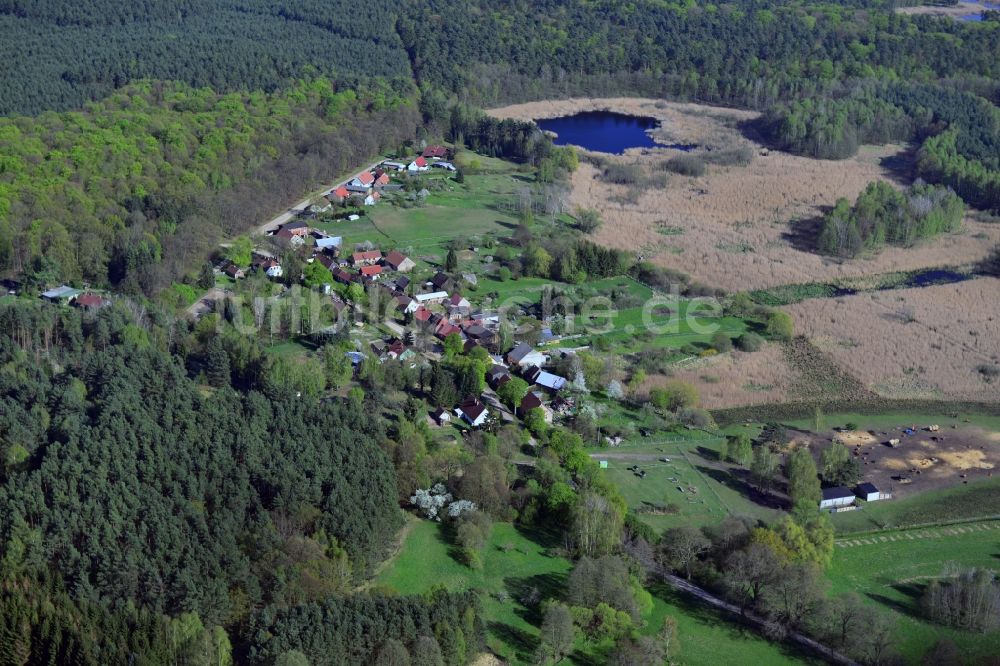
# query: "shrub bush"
{"type": "Point", "coordinates": [685, 165]}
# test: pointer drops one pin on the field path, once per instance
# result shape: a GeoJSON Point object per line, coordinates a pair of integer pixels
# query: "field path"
{"type": "Point", "coordinates": [942, 532]}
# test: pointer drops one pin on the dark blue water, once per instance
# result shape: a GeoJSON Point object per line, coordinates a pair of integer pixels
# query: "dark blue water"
{"type": "Point", "coordinates": [935, 276]}
{"type": "Point", "coordinates": [979, 16]}
{"type": "Point", "coordinates": [604, 131]}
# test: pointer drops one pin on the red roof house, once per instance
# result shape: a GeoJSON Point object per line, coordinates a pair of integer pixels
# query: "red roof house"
{"type": "Point", "coordinates": [435, 152]}
{"type": "Point", "coordinates": [364, 258]}
{"type": "Point", "coordinates": [90, 302]}
{"type": "Point", "coordinates": [370, 271]}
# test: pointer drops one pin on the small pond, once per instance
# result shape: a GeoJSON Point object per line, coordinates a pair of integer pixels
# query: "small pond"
{"type": "Point", "coordinates": [605, 131]}
{"type": "Point", "coordinates": [978, 16]}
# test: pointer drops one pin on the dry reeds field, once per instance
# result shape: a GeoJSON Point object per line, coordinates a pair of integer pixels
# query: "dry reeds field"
{"type": "Point", "coordinates": [737, 379]}
{"type": "Point", "coordinates": [928, 342]}
{"type": "Point", "coordinates": [954, 11]}
{"type": "Point", "coordinates": [736, 227]}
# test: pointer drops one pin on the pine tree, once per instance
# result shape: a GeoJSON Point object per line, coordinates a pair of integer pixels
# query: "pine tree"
{"type": "Point", "coordinates": [216, 363]}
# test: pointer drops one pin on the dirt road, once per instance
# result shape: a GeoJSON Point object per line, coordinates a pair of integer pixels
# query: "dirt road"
{"type": "Point", "coordinates": [644, 555]}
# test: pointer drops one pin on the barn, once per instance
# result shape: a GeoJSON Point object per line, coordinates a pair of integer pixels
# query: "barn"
{"type": "Point", "coordinates": [836, 497]}
{"type": "Point", "coordinates": [869, 492]}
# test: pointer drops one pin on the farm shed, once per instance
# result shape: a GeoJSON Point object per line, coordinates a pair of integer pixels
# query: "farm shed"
{"type": "Point", "coordinates": [836, 497]}
{"type": "Point", "coordinates": [869, 492]}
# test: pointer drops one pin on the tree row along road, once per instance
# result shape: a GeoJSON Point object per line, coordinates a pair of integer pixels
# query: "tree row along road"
{"type": "Point", "coordinates": [204, 302]}
{"type": "Point", "coordinates": [644, 555]}
{"type": "Point", "coordinates": [289, 214]}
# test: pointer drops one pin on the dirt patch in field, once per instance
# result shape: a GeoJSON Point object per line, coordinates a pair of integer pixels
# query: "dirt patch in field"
{"type": "Point", "coordinates": [486, 659]}
{"type": "Point", "coordinates": [931, 342]}
{"type": "Point", "coordinates": [741, 227]}
{"type": "Point", "coordinates": [856, 438]}
{"type": "Point", "coordinates": [929, 460]}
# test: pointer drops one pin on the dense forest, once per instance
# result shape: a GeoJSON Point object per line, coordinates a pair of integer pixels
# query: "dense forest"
{"type": "Point", "coordinates": [140, 187]}
{"type": "Point", "coordinates": [129, 484]}
{"type": "Point", "coordinates": [58, 54]}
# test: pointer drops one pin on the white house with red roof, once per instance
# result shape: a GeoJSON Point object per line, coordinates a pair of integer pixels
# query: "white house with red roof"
{"type": "Point", "coordinates": [419, 164]}
{"type": "Point", "coordinates": [363, 179]}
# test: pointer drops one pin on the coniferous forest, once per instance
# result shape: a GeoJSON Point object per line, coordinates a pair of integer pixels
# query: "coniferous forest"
{"type": "Point", "coordinates": [127, 486]}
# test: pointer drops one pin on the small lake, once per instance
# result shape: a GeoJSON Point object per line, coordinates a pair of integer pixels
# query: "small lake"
{"type": "Point", "coordinates": [605, 131]}
{"type": "Point", "coordinates": [979, 16]}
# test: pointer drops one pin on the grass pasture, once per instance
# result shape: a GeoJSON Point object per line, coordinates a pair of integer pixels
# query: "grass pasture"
{"type": "Point", "coordinates": [699, 488]}
{"type": "Point", "coordinates": [475, 207]}
{"type": "Point", "coordinates": [890, 569]}
{"type": "Point", "coordinates": [515, 561]}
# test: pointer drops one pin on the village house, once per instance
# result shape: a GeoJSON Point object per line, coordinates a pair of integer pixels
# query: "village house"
{"type": "Point", "coordinates": [440, 281]}
{"type": "Point", "coordinates": [269, 265]}
{"type": "Point", "coordinates": [381, 178]}
{"type": "Point", "coordinates": [422, 315]}
{"type": "Point", "coordinates": [234, 271]}
{"type": "Point", "coordinates": [363, 179]}
{"type": "Point", "coordinates": [444, 328]}
{"type": "Point", "coordinates": [432, 297]}
{"type": "Point", "coordinates": [329, 262]}
{"type": "Point", "coordinates": [399, 284]}
{"type": "Point", "coordinates": [90, 302]}
{"type": "Point", "coordinates": [342, 276]}
{"type": "Point", "coordinates": [372, 199]}
{"type": "Point", "coordinates": [441, 416]}
{"type": "Point", "coordinates": [331, 243]}
{"type": "Point", "coordinates": [837, 497]}
{"type": "Point", "coordinates": [395, 166]}
{"type": "Point", "coordinates": [524, 356]}
{"type": "Point", "coordinates": [533, 401]}
{"type": "Point", "coordinates": [458, 306]}
{"type": "Point", "coordinates": [419, 164]}
{"type": "Point", "coordinates": [339, 194]}
{"type": "Point", "coordinates": [366, 258]}
{"type": "Point", "coordinates": [296, 228]}
{"type": "Point", "coordinates": [472, 411]}
{"type": "Point", "coordinates": [497, 376]}
{"type": "Point", "coordinates": [448, 166]}
{"type": "Point", "coordinates": [398, 261]}
{"type": "Point", "coordinates": [535, 375]}
{"type": "Point", "coordinates": [370, 272]}
{"type": "Point", "coordinates": [338, 304]}
{"type": "Point", "coordinates": [480, 334]}
{"type": "Point", "coordinates": [357, 190]}
{"type": "Point", "coordinates": [406, 305]}
{"type": "Point", "coordinates": [435, 152]}
{"type": "Point", "coordinates": [290, 237]}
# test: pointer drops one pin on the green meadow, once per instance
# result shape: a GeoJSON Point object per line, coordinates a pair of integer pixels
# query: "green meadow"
{"type": "Point", "coordinates": [516, 561]}
{"type": "Point", "coordinates": [893, 568]}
